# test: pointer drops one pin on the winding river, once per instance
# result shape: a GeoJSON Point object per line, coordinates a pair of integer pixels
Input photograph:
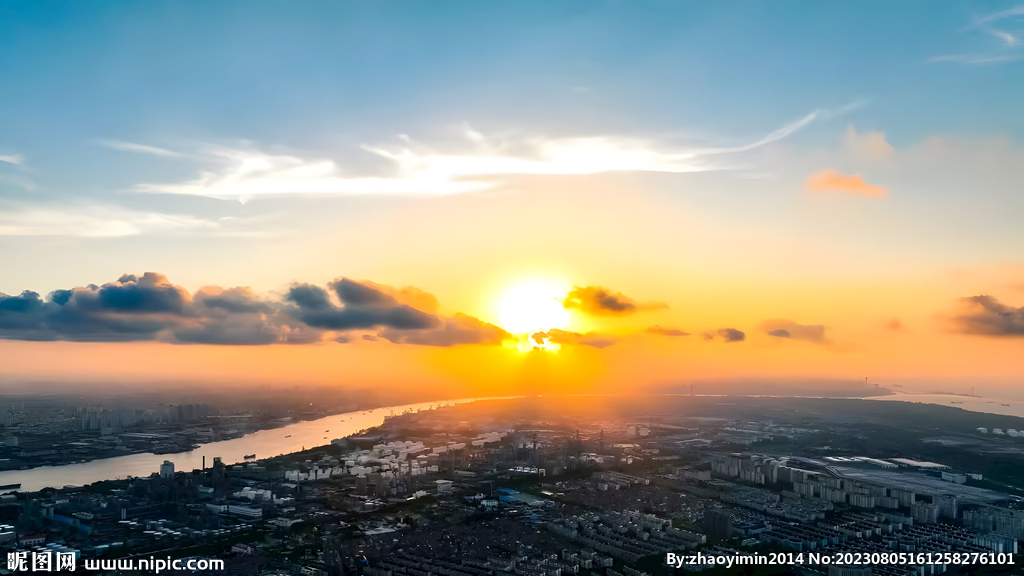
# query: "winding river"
{"type": "Point", "coordinates": [264, 444]}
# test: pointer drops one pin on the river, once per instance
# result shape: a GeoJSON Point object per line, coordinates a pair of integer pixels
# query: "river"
{"type": "Point", "coordinates": [312, 433]}
{"type": "Point", "coordinates": [264, 444]}
{"type": "Point", "coordinates": [972, 403]}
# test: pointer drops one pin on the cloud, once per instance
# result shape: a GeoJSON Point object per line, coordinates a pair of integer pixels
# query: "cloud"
{"type": "Point", "coordinates": [128, 309]}
{"type": "Point", "coordinates": [239, 300]}
{"type": "Point", "coordinates": [598, 301]}
{"type": "Point", "coordinates": [781, 328]}
{"type": "Point", "coordinates": [367, 305]}
{"type": "Point", "coordinates": [459, 329]}
{"type": "Point", "coordinates": [1009, 40]}
{"type": "Point", "coordinates": [140, 148]}
{"type": "Point", "coordinates": [666, 331]}
{"type": "Point", "coordinates": [869, 144]}
{"type": "Point", "coordinates": [773, 137]}
{"type": "Point", "coordinates": [728, 334]}
{"type": "Point", "coordinates": [243, 174]}
{"type": "Point", "coordinates": [477, 163]}
{"type": "Point", "coordinates": [109, 221]}
{"type": "Point", "coordinates": [363, 307]}
{"type": "Point", "coordinates": [1015, 11]}
{"type": "Point", "coordinates": [830, 180]}
{"type": "Point", "coordinates": [16, 159]}
{"type": "Point", "coordinates": [592, 339]}
{"type": "Point", "coordinates": [986, 316]}
{"type": "Point", "coordinates": [150, 307]}
{"type": "Point", "coordinates": [408, 295]}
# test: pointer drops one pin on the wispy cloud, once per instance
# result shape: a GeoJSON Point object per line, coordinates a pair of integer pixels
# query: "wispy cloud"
{"type": "Point", "coordinates": [1009, 13]}
{"type": "Point", "coordinates": [478, 163]}
{"type": "Point", "coordinates": [1009, 42]}
{"type": "Point", "coordinates": [773, 137]}
{"type": "Point", "coordinates": [139, 148]}
{"type": "Point", "coordinates": [108, 221]}
{"type": "Point", "coordinates": [17, 159]}
{"type": "Point", "coordinates": [1008, 39]}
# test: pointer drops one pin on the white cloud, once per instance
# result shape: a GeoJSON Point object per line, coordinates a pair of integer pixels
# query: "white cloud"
{"type": "Point", "coordinates": [420, 170]}
{"type": "Point", "coordinates": [1009, 42]}
{"type": "Point", "coordinates": [140, 148]}
{"type": "Point", "coordinates": [1015, 11]}
{"type": "Point", "coordinates": [102, 221]}
{"type": "Point", "coordinates": [774, 136]}
{"type": "Point", "coordinates": [13, 159]}
{"type": "Point", "coordinates": [1008, 39]}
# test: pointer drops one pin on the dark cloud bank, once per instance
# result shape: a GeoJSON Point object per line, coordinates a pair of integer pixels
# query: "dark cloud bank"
{"type": "Point", "coordinates": [987, 316]}
{"type": "Point", "coordinates": [727, 334]}
{"type": "Point", "coordinates": [150, 307]}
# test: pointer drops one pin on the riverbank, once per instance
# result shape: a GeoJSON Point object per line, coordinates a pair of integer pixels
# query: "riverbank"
{"type": "Point", "coordinates": [263, 444]}
{"type": "Point", "coordinates": [964, 401]}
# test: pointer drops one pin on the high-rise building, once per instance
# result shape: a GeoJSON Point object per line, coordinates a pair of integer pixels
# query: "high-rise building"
{"type": "Point", "coordinates": [167, 469]}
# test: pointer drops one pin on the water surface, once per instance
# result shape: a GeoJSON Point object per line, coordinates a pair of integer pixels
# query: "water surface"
{"type": "Point", "coordinates": [264, 444]}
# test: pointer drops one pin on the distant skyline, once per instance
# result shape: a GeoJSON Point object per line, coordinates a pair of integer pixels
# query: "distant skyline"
{"type": "Point", "coordinates": [580, 196]}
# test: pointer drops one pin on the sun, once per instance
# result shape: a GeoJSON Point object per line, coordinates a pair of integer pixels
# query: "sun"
{"type": "Point", "coordinates": [533, 306]}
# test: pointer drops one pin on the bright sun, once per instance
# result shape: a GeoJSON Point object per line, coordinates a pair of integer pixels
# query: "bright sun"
{"type": "Point", "coordinates": [533, 306]}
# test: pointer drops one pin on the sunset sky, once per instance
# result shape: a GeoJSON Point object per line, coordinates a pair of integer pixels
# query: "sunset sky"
{"type": "Point", "coordinates": [523, 196]}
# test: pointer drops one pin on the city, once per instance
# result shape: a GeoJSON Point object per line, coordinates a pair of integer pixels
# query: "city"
{"type": "Point", "coordinates": [530, 288]}
{"type": "Point", "coordinates": [528, 486]}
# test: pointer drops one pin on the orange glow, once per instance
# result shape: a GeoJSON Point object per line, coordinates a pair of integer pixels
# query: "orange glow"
{"type": "Point", "coordinates": [532, 306]}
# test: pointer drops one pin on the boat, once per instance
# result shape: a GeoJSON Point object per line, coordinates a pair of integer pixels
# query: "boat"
{"type": "Point", "coordinates": [250, 456]}
{"type": "Point", "coordinates": [288, 436]}
{"type": "Point", "coordinates": [10, 486]}
{"type": "Point", "coordinates": [326, 430]}
{"type": "Point", "coordinates": [1005, 404]}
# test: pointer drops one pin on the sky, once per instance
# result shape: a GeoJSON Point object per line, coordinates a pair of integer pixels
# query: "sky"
{"type": "Point", "coordinates": [500, 197]}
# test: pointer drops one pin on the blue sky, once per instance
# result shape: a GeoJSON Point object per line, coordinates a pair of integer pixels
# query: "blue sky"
{"type": "Point", "coordinates": [851, 171]}
{"type": "Point", "coordinates": [86, 87]}
{"type": "Point", "coordinates": [322, 74]}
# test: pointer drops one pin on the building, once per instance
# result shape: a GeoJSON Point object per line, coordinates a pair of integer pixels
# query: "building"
{"type": "Point", "coordinates": [245, 511]}
{"type": "Point", "coordinates": [925, 513]}
{"type": "Point", "coordinates": [718, 524]}
{"type": "Point", "coordinates": [167, 469]}
{"type": "Point", "coordinates": [1004, 521]}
